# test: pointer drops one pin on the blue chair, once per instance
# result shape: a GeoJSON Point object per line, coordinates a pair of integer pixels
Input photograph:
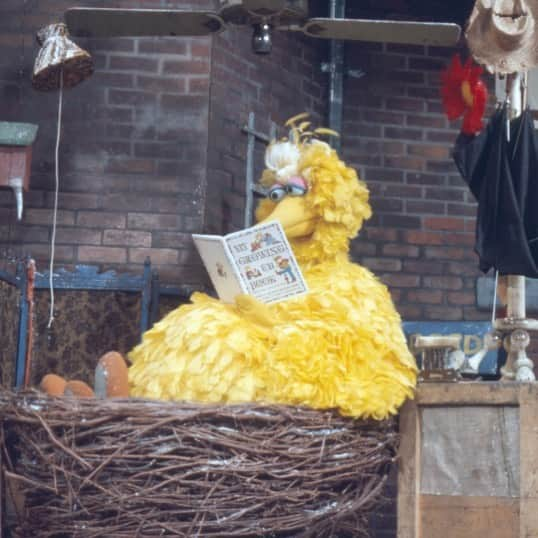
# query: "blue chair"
{"type": "Point", "coordinates": [83, 277]}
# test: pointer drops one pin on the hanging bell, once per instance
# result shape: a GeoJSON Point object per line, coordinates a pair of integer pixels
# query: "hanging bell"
{"type": "Point", "coordinates": [59, 54]}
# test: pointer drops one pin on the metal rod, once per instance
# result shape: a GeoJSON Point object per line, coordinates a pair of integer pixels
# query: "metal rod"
{"type": "Point", "coordinates": [249, 194]}
{"type": "Point", "coordinates": [30, 278]}
{"type": "Point", "coordinates": [515, 307]}
{"type": "Point", "coordinates": [337, 10]}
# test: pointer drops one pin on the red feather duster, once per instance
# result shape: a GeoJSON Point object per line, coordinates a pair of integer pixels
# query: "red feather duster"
{"type": "Point", "coordinates": [464, 94]}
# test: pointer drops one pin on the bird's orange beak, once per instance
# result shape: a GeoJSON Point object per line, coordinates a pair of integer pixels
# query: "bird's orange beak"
{"type": "Point", "coordinates": [296, 218]}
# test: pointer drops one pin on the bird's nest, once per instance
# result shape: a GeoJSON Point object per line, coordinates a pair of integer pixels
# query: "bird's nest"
{"type": "Point", "coordinates": [126, 468]}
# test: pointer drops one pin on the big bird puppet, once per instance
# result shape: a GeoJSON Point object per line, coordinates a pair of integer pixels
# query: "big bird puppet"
{"type": "Point", "coordinates": [339, 346]}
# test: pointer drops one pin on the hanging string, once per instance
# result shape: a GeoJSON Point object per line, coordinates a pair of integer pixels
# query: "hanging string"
{"type": "Point", "coordinates": [494, 309]}
{"type": "Point", "coordinates": [56, 191]}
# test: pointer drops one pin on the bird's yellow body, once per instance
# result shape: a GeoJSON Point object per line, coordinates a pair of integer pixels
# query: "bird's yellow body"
{"type": "Point", "coordinates": [341, 345]}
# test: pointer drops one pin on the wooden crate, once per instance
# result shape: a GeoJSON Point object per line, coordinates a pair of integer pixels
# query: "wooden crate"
{"type": "Point", "coordinates": [469, 461]}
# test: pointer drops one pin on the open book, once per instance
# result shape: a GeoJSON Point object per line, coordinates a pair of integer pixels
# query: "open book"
{"type": "Point", "coordinates": [257, 261]}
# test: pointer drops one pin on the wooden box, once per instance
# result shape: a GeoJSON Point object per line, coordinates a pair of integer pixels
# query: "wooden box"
{"type": "Point", "coordinates": [469, 461]}
{"type": "Point", "coordinates": [15, 161]}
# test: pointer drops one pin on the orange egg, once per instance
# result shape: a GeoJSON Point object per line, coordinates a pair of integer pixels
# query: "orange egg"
{"type": "Point", "coordinates": [53, 385]}
{"type": "Point", "coordinates": [111, 376]}
{"type": "Point", "coordinates": [78, 389]}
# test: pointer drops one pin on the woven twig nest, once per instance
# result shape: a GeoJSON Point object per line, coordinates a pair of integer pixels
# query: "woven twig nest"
{"type": "Point", "coordinates": [126, 468]}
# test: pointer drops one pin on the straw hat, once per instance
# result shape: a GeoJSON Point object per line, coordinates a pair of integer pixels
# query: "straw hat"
{"type": "Point", "coordinates": [503, 35]}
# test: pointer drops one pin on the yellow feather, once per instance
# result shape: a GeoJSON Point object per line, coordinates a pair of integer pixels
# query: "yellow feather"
{"type": "Point", "coordinates": [326, 131]}
{"type": "Point", "coordinates": [295, 119]}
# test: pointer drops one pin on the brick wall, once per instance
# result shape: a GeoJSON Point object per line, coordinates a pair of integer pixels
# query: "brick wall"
{"type": "Point", "coordinates": [420, 239]}
{"type": "Point", "coordinates": [134, 154]}
{"type": "Point", "coordinates": [133, 151]}
{"type": "Point", "coordinates": [274, 87]}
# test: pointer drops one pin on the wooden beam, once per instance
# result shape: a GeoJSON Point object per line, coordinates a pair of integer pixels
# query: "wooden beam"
{"type": "Point", "coordinates": [471, 393]}
{"type": "Point", "coordinates": [409, 472]}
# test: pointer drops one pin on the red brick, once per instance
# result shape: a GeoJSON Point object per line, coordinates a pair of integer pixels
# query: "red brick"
{"type": "Point", "coordinates": [441, 167]}
{"type": "Point", "coordinates": [443, 282]}
{"type": "Point", "coordinates": [425, 296]}
{"type": "Point", "coordinates": [102, 254]}
{"type": "Point", "coordinates": [400, 250]}
{"type": "Point", "coordinates": [403, 133]}
{"type": "Point", "coordinates": [200, 47]}
{"type": "Point", "coordinates": [384, 117]}
{"type": "Point", "coordinates": [362, 248]}
{"type": "Point", "coordinates": [441, 136]}
{"type": "Point", "coordinates": [407, 163]}
{"type": "Point", "coordinates": [470, 225]}
{"type": "Point", "coordinates": [162, 84]}
{"type": "Point", "coordinates": [131, 97]}
{"type": "Point", "coordinates": [443, 313]}
{"type": "Point", "coordinates": [381, 234]}
{"type": "Point", "coordinates": [78, 236]}
{"type": "Point", "coordinates": [464, 210]}
{"type": "Point", "coordinates": [98, 219]}
{"type": "Point", "coordinates": [410, 312]}
{"type": "Point", "coordinates": [171, 240]}
{"type": "Point", "coordinates": [459, 239]}
{"type": "Point", "coordinates": [424, 267]}
{"type": "Point", "coordinates": [428, 151]}
{"type": "Point", "coordinates": [461, 298]}
{"type": "Point", "coordinates": [444, 223]}
{"type": "Point", "coordinates": [418, 237]}
{"type": "Point", "coordinates": [401, 221]}
{"type": "Point", "coordinates": [406, 104]}
{"type": "Point", "coordinates": [40, 253]}
{"type": "Point", "coordinates": [387, 205]}
{"type": "Point", "coordinates": [163, 45]}
{"type": "Point", "coordinates": [123, 202]}
{"type": "Point", "coordinates": [417, 120]}
{"type": "Point", "coordinates": [151, 221]}
{"type": "Point", "coordinates": [113, 80]}
{"type": "Point", "coordinates": [445, 253]}
{"type": "Point", "coordinates": [133, 63]}
{"type": "Point", "coordinates": [23, 234]}
{"type": "Point", "coordinates": [70, 200]}
{"type": "Point", "coordinates": [401, 280]}
{"type": "Point", "coordinates": [132, 166]}
{"type": "Point", "coordinates": [382, 264]}
{"type": "Point", "coordinates": [424, 207]}
{"type": "Point", "coordinates": [445, 194]}
{"type": "Point", "coordinates": [158, 256]}
{"type": "Point", "coordinates": [471, 314]}
{"type": "Point", "coordinates": [44, 216]}
{"type": "Point", "coordinates": [127, 238]}
{"type": "Point", "coordinates": [462, 269]}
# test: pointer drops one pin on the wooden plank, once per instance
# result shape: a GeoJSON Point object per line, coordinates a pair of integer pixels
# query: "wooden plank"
{"type": "Point", "coordinates": [528, 462]}
{"type": "Point", "coordinates": [468, 393]}
{"type": "Point", "coordinates": [470, 451]}
{"type": "Point", "coordinates": [409, 472]}
{"type": "Point", "coordinates": [469, 517]}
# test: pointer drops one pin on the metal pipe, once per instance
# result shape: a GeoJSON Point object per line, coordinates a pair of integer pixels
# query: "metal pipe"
{"type": "Point", "coordinates": [515, 307]}
{"type": "Point", "coordinates": [337, 10]}
{"type": "Point", "coordinates": [16, 184]}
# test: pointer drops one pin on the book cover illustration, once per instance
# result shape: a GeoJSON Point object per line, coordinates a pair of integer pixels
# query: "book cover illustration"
{"type": "Point", "coordinates": [258, 261]}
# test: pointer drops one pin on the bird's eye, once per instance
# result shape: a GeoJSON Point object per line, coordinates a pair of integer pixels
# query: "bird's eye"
{"type": "Point", "coordinates": [295, 190]}
{"type": "Point", "coordinates": [277, 192]}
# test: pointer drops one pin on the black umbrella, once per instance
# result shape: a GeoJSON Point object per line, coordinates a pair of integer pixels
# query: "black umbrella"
{"type": "Point", "coordinates": [502, 173]}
